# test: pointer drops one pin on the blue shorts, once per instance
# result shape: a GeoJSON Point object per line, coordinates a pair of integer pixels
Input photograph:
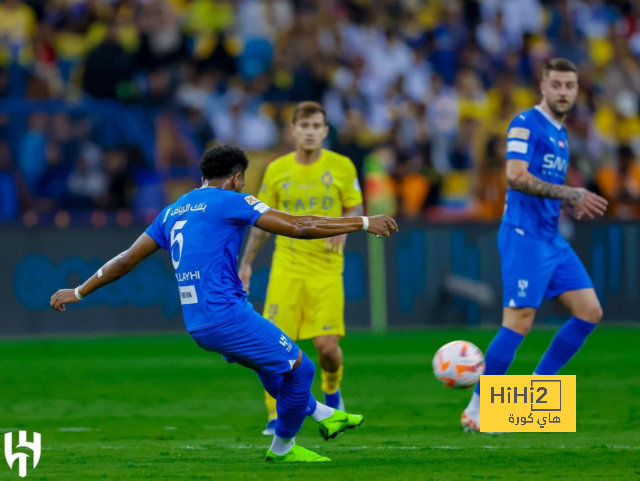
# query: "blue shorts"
{"type": "Point", "coordinates": [252, 341]}
{"type": "Point", "coordinates": [535, 268]}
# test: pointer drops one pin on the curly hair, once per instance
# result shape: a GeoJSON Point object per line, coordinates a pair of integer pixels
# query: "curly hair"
{"type": "Point", "coordinates": [223, 161]}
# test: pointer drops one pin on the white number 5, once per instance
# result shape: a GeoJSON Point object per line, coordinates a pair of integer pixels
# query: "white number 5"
{"type": "Point", "coordinates": [179, 239]}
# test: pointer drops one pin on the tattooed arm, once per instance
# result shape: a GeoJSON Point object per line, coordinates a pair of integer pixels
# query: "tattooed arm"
{"type": "Point", "coordinates": [577, 201]}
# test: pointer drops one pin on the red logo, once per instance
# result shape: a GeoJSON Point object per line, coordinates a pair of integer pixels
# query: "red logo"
{"type": "Point", "coordinates": [561, 144]}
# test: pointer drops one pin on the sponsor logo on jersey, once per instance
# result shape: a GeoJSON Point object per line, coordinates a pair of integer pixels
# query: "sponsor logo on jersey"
{"type": "Point", "coordinates": [555, 162]}
{"type": "Point", "coordinates": [517, 146]}
{"type": "Point", "coordinates": [251, 200]}
{"type": "Point", "coordinates": [188, 295]}
{"type": "Point", "coordinates": [518, 133]}
{"type": "Point", "coordinates": [261, 207]}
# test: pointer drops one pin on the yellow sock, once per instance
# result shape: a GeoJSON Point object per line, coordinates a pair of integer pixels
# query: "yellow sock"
{"type": "Point", "coordinates": [331, 381]}
{"type": "Point", "coordinates": [271, 406]}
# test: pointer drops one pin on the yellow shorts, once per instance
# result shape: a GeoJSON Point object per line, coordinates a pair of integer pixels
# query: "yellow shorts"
{"type": "Point", "coordinates": [306, 308]}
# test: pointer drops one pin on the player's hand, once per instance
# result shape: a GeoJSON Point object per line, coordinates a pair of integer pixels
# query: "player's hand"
{"type": "Point", "coordinates": [245, 276]}
{"type": "Point", "coordinates": [336, 244]}
{"type": "Point", "coordinates": [582, 202]}
{"type": "Point", "coordinates": [63, 297]}
{"type": "Point", "coordinates": [382, 225]}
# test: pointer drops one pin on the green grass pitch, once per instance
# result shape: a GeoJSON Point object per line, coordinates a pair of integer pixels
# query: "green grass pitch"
{"type": "Point", "coordinates": [157, 407]}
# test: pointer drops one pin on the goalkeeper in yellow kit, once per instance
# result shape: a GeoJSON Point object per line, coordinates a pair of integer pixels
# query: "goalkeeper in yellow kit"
{"type": "Point", "coordinates": [305, 297]}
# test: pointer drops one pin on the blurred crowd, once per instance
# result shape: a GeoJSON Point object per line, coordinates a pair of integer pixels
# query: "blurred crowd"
{"type": "Point", "coordinates": [418, 94]}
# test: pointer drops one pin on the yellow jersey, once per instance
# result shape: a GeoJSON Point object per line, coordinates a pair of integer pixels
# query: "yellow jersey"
{"type": "Point", "coordinates": [326, 188]}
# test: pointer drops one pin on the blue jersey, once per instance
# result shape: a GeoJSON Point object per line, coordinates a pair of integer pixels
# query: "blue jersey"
{"type": "Point", "coordinates": [541, 141]}
{"type": "Point", "coordinates": [203, 232]}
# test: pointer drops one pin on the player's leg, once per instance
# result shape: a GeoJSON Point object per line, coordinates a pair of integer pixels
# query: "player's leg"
{"type": "Point", "coordinates": [324, 323]}
{"type": "Point", "coordinates": [573, 288]}
{"type": "Point", "coordinates": [526, 267]}
{"type": "Point", "coordinates": [283, 308]}
{"type": "Point", "coordinates": [254, 342]}
{"type": "Point", "coordinates": [330, 360]}
{"type": "Point", "coordinates": [516, 324]}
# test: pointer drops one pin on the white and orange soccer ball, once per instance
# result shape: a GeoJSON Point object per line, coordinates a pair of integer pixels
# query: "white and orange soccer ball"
{"type": "Point", "coordinates": [458, 364]}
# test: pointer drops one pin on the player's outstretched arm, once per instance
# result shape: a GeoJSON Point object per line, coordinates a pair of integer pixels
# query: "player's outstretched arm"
{"type": "Point", "coordinates": [314, 227]}
{"type": "Point", "coordinates": [113, 270]}
{"type": "Point", "coordinates": [337, 243]}
{"type": "Point", "coordinates": [577, 201]}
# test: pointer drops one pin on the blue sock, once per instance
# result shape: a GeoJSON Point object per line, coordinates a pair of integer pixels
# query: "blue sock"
{"type": "Point", "coordinates": [294, 399]}
{"type": "Point", "coordinates": [501, 353]}
{"type": "Point", "coordinates": [567, 341]}
{"type": "Point", "coordinates": [333, 400]}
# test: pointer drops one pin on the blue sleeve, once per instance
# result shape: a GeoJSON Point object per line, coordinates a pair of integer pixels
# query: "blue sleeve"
{"type": "Point", "coordinates": [242, 209]}
{"type": "Point", "coordinates": [156, 229]}
{"type": "Point", "coordinates": [521, 139]}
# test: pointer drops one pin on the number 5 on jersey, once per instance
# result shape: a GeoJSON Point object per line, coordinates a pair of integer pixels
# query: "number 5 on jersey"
{"type": "Point", "coordinates": [179, 239]}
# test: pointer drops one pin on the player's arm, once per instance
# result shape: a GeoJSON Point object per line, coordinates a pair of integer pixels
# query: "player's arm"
{"type": "Point", "coordinates": [337, 243]}
{"type": "Point", "coordinates": [257, 237]}
{"type": "Point", "coordinates": [577, 201]}
{"type": "Point", "coordinates": [314, 227]}
{"type": "Point", "coordinates": [113, 270]}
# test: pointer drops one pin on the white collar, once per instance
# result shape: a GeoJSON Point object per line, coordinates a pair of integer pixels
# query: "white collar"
{"type": "Point", "coordinates": [553, 121]}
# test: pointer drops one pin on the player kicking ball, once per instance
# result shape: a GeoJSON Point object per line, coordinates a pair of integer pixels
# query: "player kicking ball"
{"type": "Point", "coordinates": [305, 297]}
{"type": "Point", "coordinates": [203, 231]}
{"type": "Point", "coordinates": [536, 260]}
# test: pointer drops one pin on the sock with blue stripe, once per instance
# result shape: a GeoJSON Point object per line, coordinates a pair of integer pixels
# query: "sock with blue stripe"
{"type": "Point", "coordinates": [565, 344]}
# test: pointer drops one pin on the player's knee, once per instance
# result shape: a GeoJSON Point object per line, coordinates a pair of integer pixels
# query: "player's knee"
{"type": "Point", "coordinates": [519, 320]}
{"type": "Point", "coordinates": [305, 370]}
{"type": "Point", "coordinates": [592, 313]}
{"type": "Point", "coordinates": [328, 350]}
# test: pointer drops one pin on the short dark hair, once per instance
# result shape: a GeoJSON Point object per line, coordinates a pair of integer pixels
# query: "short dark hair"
{"type": "Point", "coordinates": [223, 161]}
{"type": "Point", "coordinates": [307, 109]}
{"type": "Point", "coordinates": [559, 65]}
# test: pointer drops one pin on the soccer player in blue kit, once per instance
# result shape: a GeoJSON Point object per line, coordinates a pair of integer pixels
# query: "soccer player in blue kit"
{"type": "Point", "coordinates": [536, 261]}
{"type": "Point", "coordinates": [203, 232]}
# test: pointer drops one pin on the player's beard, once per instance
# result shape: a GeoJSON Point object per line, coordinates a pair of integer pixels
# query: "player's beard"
{"type": "Point", "coordinates": [560, 110]}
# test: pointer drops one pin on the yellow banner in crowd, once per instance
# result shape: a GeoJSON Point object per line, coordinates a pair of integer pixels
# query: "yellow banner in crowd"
{"type": "Point", "coordinates": [525, 404]}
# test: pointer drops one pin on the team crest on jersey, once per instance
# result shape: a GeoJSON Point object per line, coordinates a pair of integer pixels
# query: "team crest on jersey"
{"type": "Point", "coordinates": [251, 200]}
{"type": "Point", "coordinates": [561, 144]}
{"type": "Point", "coordinates": [327, 179]}
{"type": "Point", "coordinates": [518, 133]}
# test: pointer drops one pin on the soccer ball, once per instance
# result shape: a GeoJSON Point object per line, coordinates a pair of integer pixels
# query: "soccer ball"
{"type": "Point", "coordinates": [458, 364]}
